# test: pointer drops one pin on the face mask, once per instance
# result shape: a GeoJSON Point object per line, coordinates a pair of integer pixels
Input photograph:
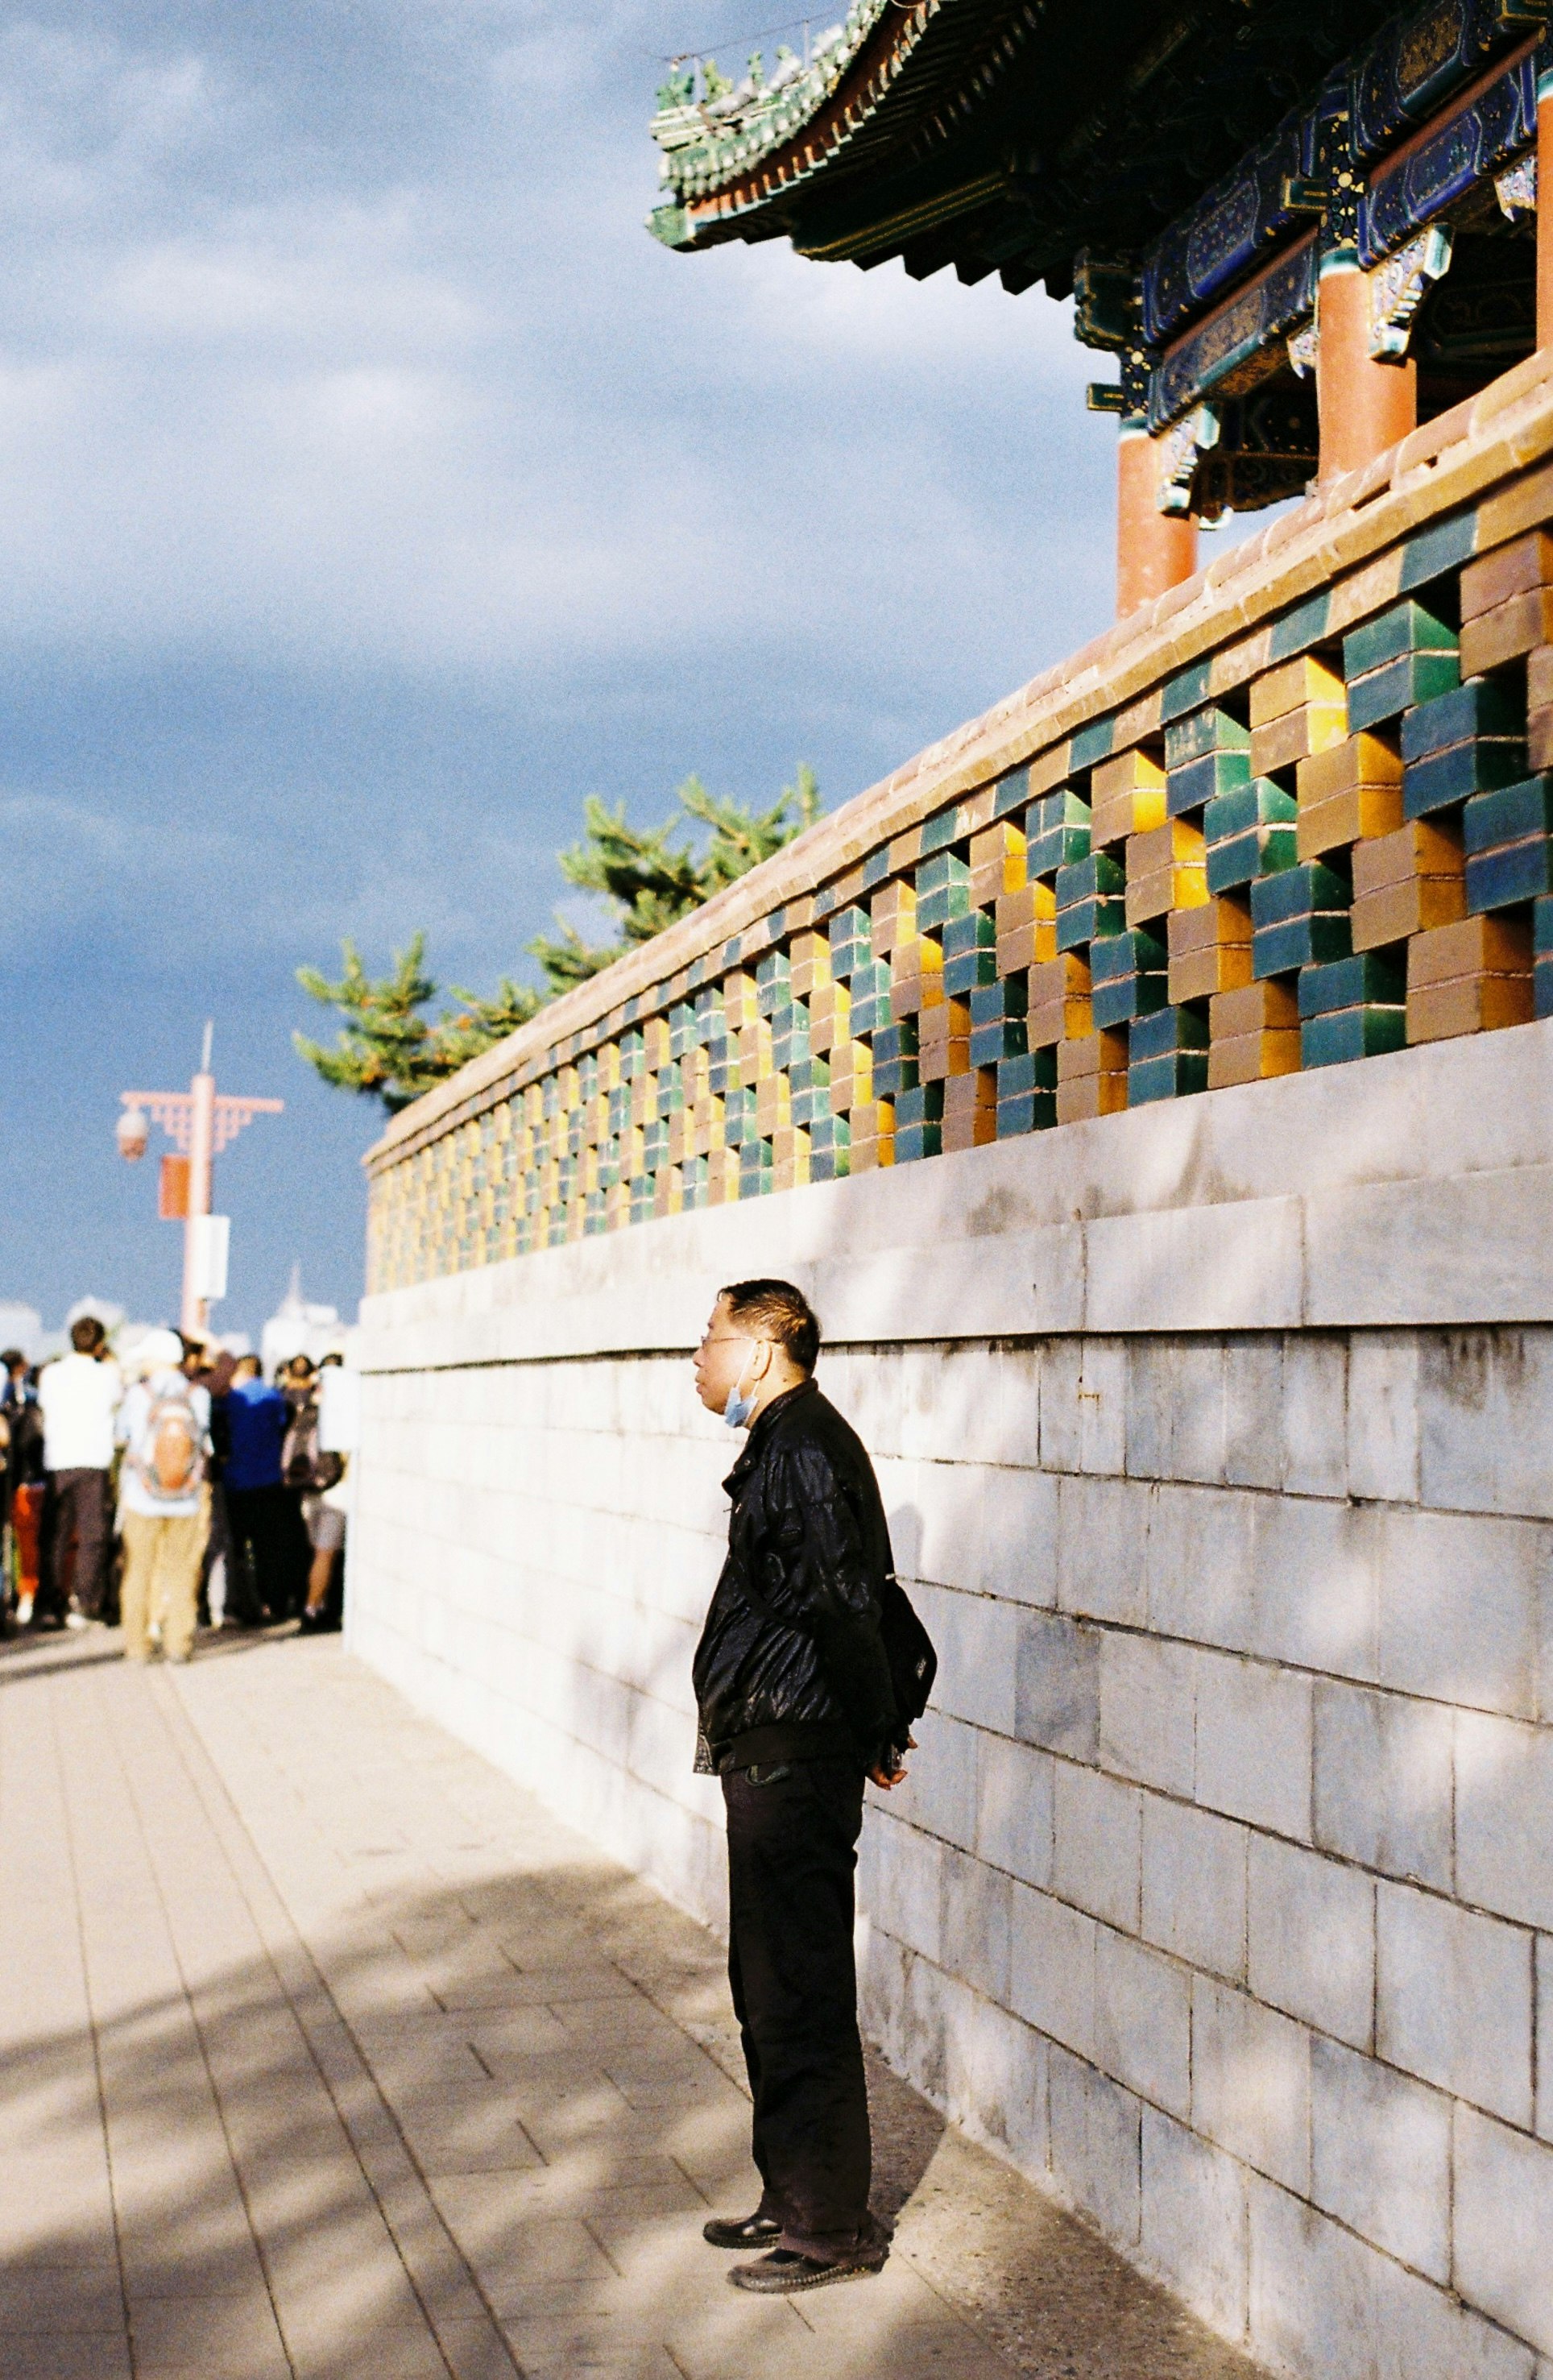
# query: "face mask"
{"type": "Point", "coordinates": [737, 1410]}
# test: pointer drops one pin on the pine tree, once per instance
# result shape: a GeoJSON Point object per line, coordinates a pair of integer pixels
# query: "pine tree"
{"type": "Point", "coordinates": [390, 1047]}
{"type": "Point", "coordinates": [650, 880]}
{"type": "Point", "coordinates": [385, 1046]}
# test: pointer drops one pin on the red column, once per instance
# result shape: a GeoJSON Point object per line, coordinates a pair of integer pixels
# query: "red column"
{"type": "Point", "coordinates": [1545, 209]}
{"type": "Point", "coordinates": [1155, 551]}
{"type": "Point", "coordinates": [1364, 406]}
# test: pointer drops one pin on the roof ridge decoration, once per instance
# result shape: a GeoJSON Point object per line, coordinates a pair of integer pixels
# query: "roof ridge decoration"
{"type": "Point", "coordinates": [716, 143]}
{"type": "Point", "coordinates": [707, 139]}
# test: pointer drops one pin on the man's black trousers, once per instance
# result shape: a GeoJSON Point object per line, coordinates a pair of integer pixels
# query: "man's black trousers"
{"type": "Point", "coordinates": [77, 1513]}
{"type": "Point", "coordinates": [792, 1858]}
{"type": "Point", "coordinates": [269, 1547]}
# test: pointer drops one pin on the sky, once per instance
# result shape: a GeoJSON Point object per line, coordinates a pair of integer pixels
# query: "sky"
{"type": "Point", "coordinates": [373, 489]}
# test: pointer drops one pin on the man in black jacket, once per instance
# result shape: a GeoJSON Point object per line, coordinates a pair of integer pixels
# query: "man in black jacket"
{"type": "Point", "coordinates": [795, 1708]}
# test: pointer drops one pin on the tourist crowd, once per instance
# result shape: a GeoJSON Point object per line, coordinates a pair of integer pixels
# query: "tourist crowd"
{"type": "Point", "coordinates": [178, 1487]}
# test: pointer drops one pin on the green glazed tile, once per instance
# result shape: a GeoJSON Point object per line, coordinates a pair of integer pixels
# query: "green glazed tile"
{"type": "Point", "coordinates": [977, 930]}
{"type": "Point", "coordinates": [992, 1001]}
{"type": "Point", "coordinates": [963, 975]}
{"type": "Point", "coordinates": [1516, 872]}
{"type": "Point", "coordinates": [1133, 952]}
{"type": "Point", "coordinates": [935, 909]}
{"type": "Point", "coordinates": [1176, 1074]}
{"type": "Point", "coordinates": [944, 868]}
{"type": "Point", "coordinates": [1301, 628]}
{"type": "Point", "coordinates": [1024, 1112]}
{"type": "Point", "coordinates": [1186, 689]}
{"type": "Point", "coordinates": [1387, 693]}
{"type": "Point", "coordinates": [1306, 889]}
{"type": "Point", "coordinates": [1088, 922]}
{"type": "Point", "coordinates": [1036, 1070]}
{"type": "Point", "coordinates": [1061, 809]}
{"type": "Point", "coordinates": [1090, 744]}
{"type": "Point", "coordinates": [1122, 998]}
{"type": "Point", "coordinates": [1204, 732]}
{"type": "Point", "coordinates": [1508, 815]}
{"type": "Point", "coordinates": [1082, 879]}
{"type": "Point", "coordinates": [1257, 803]}
{"type": "Point", "coordinates": [1011, 792]}
{"type": "Point", "coordinates": [992, 1044]}
{"type": "Point", "coordinates": [922, 1104]}
{"type": "Point", "coordinates": [1350, 1033]}
{"type": "Point", "coordinates": [1405, 628]}
{"type": "Point", "coordinates": [1542, 987]}
{"type": "Point", "coordinates": [1060, 847]}
{"type": "Point", "coordinates": [1263, 851]}
{"type": "Point", "coordinates": [1299, 942]}
{"type": "Point", "coordinates": [1366, 979]}
{"type": "Point", "coordinates": [1442, 547]}
{"type": "Point", "coordinates": [1480, 706]}
{"type": "Point", "coordinates": [1198, 783]}
{"type": "Point", "coordinates": [1443, 778]}
{"type": "Point", "coordinates": [1167, 1030]}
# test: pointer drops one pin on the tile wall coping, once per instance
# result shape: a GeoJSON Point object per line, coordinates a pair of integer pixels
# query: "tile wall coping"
{"type": "Point", "coordinates": [1412, 1189]}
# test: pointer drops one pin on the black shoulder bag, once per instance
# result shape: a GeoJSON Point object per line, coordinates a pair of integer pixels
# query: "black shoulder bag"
{"type": "Point", "coordinates": [908, 1648]}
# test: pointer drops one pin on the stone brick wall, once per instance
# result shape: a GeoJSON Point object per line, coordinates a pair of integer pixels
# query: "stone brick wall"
{"type": "Point", "coordinates": [1215, 1441]}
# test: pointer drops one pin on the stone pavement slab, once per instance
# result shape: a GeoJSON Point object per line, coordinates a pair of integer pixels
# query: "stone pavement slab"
{"type": "Point", "coordinates": [327, 2052]}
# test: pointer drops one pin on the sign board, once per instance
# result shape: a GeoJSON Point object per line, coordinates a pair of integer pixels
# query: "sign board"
{"type": "Point", "coordinates": [210, 1235]}
{"type": "Point", "coordinates": [172, 1190]}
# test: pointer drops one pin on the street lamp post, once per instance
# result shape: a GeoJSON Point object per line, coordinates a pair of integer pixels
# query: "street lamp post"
{"type": "Point", "coordinates": [199, 1124]}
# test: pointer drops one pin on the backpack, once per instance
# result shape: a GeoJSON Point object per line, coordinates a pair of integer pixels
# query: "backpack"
{"type": "Point", "coordinates": [169, 1459]}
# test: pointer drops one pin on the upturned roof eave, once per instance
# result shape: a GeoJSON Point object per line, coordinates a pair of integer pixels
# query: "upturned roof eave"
{"type": "Point", "coordinates": [862, 114]}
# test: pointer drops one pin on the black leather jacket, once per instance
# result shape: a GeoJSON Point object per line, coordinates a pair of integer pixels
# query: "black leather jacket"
{"type": "Point", "coordinates": [806, 1677]}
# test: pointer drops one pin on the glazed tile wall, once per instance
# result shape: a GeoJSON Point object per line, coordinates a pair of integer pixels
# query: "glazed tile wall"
{"type": "Point", "coordinates": [1311, 846]}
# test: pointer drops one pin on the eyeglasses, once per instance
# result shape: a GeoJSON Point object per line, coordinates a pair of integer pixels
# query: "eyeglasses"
{"type": "Point", "coordinates": [727, 1339]}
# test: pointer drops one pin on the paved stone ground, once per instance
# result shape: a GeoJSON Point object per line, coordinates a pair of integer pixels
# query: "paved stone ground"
{"type": "Point", "coordinates": [326, 2052]}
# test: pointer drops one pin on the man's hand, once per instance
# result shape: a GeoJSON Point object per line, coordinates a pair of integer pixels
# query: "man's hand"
{"type": "Point", "coordinates": [887, 1778]}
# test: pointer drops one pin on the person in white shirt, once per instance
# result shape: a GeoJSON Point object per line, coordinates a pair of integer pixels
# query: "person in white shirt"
{"type": "Point", "coordinates": [165, 1429]}
{"type": "Point", "coordinates": [77, 1396]}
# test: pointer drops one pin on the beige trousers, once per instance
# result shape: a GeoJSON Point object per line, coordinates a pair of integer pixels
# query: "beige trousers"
{"type": "Point", "coordinates": [160, 1583]}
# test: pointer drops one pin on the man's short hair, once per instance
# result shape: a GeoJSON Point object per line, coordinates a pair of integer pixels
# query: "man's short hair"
{"type": "Point", "coordinates": [779, 1312]}
{"type": "Point", "coordinates": [87, 1335]}
{"type": "Point", "coordinates": [13, 1360]}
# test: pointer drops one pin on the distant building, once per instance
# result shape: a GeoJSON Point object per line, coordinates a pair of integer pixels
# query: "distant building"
{"type": "Point", "coordinates": [297, 1329]}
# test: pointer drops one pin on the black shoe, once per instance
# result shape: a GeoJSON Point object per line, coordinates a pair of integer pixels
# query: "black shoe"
{"type": "Point", "coordinates": [754, 2231]}
{"type": "Point", "coordinates": [783, 2274]}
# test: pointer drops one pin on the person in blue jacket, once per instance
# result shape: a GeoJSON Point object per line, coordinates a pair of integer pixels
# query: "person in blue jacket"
{"type": "Point", "coordinates": [252, 1420]}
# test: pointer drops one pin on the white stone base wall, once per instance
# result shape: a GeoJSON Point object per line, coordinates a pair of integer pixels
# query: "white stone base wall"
{"type": "Point", "coordinates": [1217, 1442]}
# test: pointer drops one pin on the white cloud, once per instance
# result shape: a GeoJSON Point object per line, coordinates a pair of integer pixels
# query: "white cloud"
{"type": "Point", "coordinates": [447, 408]}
